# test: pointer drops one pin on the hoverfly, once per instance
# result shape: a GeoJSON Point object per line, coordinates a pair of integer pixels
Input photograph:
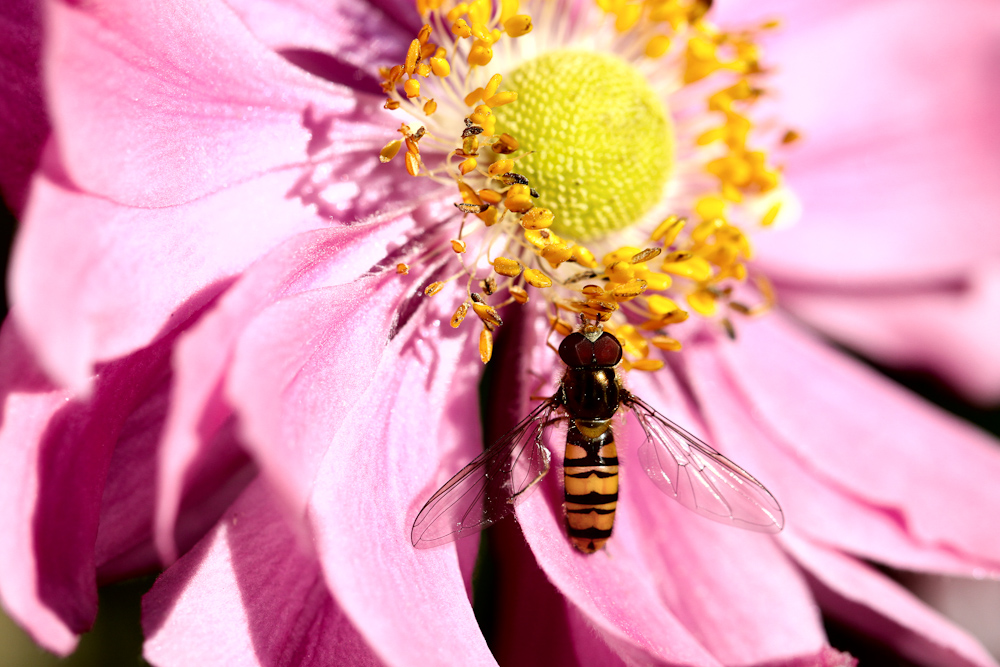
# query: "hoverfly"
{"type": "Point", "coordinates": [590, 393]}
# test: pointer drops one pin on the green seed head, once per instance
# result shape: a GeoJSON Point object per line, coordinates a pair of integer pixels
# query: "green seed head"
{"type": "Point", "coordinates": [601, 139]}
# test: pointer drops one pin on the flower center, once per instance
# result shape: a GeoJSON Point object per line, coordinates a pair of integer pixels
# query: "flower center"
{"type": "Point", "coordinates": [602, 140]}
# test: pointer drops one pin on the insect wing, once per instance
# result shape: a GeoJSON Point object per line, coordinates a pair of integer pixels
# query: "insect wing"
{"type": "Point", "coordinates": [487, 489]}
{"type": "Point", "coordinates": [701, 478]}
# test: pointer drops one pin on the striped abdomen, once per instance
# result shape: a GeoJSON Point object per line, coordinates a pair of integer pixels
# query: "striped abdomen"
{"type": "Point", "coordinates": [591, 472]}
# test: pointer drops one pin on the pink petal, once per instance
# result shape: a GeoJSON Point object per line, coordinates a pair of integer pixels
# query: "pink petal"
{"type": "Point", "coordinates": [57, 452]}
{"type": "Point", "coordinates": [202, 359]}
{"type": "Point", "coordinates": [824, 512]}
{"type": "Point", "coordinates": [29, 403]}
{"type": "Point", "coordinates": [384, 461]}
{"type": "Point", "coordinates": [900, 157]}
{"type": "Point", "coordinates": [300, 367]}
{"type": "Point", "coordinates": [861, 434]}
{"type": "Point", "coordinates": [950, 331]}
{"type": "Point", "coordinates": [95, 280]}
{"type": "Point", "coordinates": [249, 594]}
{"type": "Point", "coordinates": [858, 596]}
{"type": "Point", "coordinates": [159, 104]}
{"type": "Point", "coordinates": [24, 124]}
{"type": "Point", "coordinates": [355, 38]}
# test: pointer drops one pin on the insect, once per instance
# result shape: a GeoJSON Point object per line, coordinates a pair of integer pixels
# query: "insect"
{"type": "Point", "coordinates": [590, 393]}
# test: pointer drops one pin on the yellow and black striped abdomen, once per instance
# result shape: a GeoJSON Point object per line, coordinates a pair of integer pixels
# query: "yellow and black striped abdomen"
{"type": "Point", "coordinates": [590, 468]}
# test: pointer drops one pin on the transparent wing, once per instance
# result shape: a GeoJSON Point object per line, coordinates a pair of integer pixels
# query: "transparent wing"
{"type": "Point", "coordinates": [487, 489]}
{"type": "Point", "coordinates": [701, 478]}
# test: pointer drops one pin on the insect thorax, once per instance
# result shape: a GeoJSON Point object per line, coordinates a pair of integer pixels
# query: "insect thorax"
{"type": "Point", "coordinates": [590, 393]}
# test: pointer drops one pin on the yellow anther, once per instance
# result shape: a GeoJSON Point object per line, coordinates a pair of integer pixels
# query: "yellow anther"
{"type": "Point", "coordinates": [695, 268]}
{"type": "Point", "coordinates": [557, 253]}
{"type": "Point", "coordinates": [391, 105]}
{"type": "Point", "coordinates": [459, 315]}
{"type": "Point", "coordinates": [629, 290]}
{"type": "Point", "coordinates": [473, 97]}
{"type": "Point", "coordinates": [702, 302]}
{"type": "Point", "coordinates": [541, 237]}
{"type": "Point", "coordinates": [470, 145]}
{"type": "Point", "coordinates": [508, 8]}
{"type": "Point", "coordinates": [487, 313]}
{"type": "Point", "coordinates": [620, 272]}
{"type": "Point", "coordinates": [480, 54]}
{"type": "Point", "coordinates": [771, 215]}
{"type": "Point", "coordinates": [711, 136]}
{"type": "Point", "coordinates": [481, 32]}
{"type": "Point", "coordinates": [518, 26]}
{"type": "Point", "coordinates": [668, 230]}
{"type": "Point", "coordinates": [430, 107]}
{"type": "Point", "coordinates": [412, 88]}
{"type": "Point", "coordinates": [428, 50]}
{"type": "Point", "coordinates": [561, 326]}
{"type": "Point", "coordinates": [622, 254]}
{"type": "Point", "coordinates": [458, 10]}
{"type": "Point", "coordinates": [592, 290]}
{"type": "Point", "coordinates": [519, 294]}
{"type": "Point", "coordinates": [422, 69]}
{"type": "Point", "coordinates": [537, 218]}
{"type": "Point", "coordinates": [389, 150]}
{"type": "Point", "coordinates": [647, 364]}
{"type": "Point", "coordinates": [657, 46]}
{"type": "Point", "coordinates": [467, 165]}
{"type": "Point", "coordinates": [628, 16]}
{"type": "Point", "coordinates": [710, 207]}
{"type": "Point", "coordinates": [480, 115]}
{"type": "Point", "coordinates": [518, 197]}
{"type": "Point", "coordinates": [661, 305]}
{"type": "Point", "coordinates": [412, 54]}
{"type": "Point", "coordinates": [501, 167]}
{"type": "Point", "coordinates": [505, 144]}
{"type": "Point", "coordinates": [458, 246]}
{"type": "Point", "coordinates": [704, 230]}
{"type": "Point", "coordinates": [402, 269]}
{"type": "Point", "coordinates": [790, 137]}
{"type": "Point", "coordinates": [461, 29]}
{"type": "Point", "coordinates": [412, 164]}
{"type": "Point", "coordinates": [633, 342]}
{"type": "Point", "coordinates": [434, 288]}
{"type": "Point", "coordinates": [583, 257]}
{"type": "Point", "coordinates": [492, 87]}
{"type": "Point", "coordinates": [666, 343]}
{"type": "Point", "coordinates": [502, 98]}
{"type": "Point", "coordinates": [656, 281]}
{"type": "Point", "coordinates": [485, 345]}
{"type": "Point", "coordinates": [490, 196]}
{"type": "Point", "coordinates": [536, 278]}
{"type": "Point", "coordinates": [440, 66]}
{"type": "Point", "coordinates": [480, 10]}
{"type": "Point", "coordinates": [506, 266]}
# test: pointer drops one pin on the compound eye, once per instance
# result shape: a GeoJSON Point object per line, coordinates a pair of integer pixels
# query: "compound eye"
{"type": "Point", "coordinates": [576, 350]}
{"type": "Point", "coordinates": [607, 350]}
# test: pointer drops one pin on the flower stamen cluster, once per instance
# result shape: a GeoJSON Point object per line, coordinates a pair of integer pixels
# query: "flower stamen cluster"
{"type": "Point", "coordinates": [680, 211]}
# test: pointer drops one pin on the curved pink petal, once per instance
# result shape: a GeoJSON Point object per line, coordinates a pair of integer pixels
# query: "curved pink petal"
{"type": "Point", "coordinates": [57, 453]}
{"type": "Point", "coordinates": [382, 463]}
{"type": "Point", "coordinates": [157, 104]}
{"type": "Point", "coordinates": [860, 597]}
{"type": "Point", "coordinates": [344, 40]}
{"type": "Point", "coordinates": [860, 434]}
{"type": "Point", "coordinates": [249, 594]}
{"type": "Point", "coordinates": [950, 330]}
{"type": "Point", "coordinates": [299, 368]}
{"type": "Point", "coordinates": [898, 167]}
{"type": "Point", "coordinates": [95, 280]}
{"type": "Point", "coordinates": [823, 512]}
{"type": "Point", "coordinates": [29, 401]}
{"type": "Point", "coordinates": [24, 124]}
{"type": "Point", "coordinates": [203, 355]}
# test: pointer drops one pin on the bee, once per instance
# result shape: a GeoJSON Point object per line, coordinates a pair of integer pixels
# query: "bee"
{"type": "Point", "coordinates": [589, 395]}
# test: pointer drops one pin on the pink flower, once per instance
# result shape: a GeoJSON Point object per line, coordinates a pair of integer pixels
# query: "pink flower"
{"type": "Point", "coordinates": [204, 286]}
